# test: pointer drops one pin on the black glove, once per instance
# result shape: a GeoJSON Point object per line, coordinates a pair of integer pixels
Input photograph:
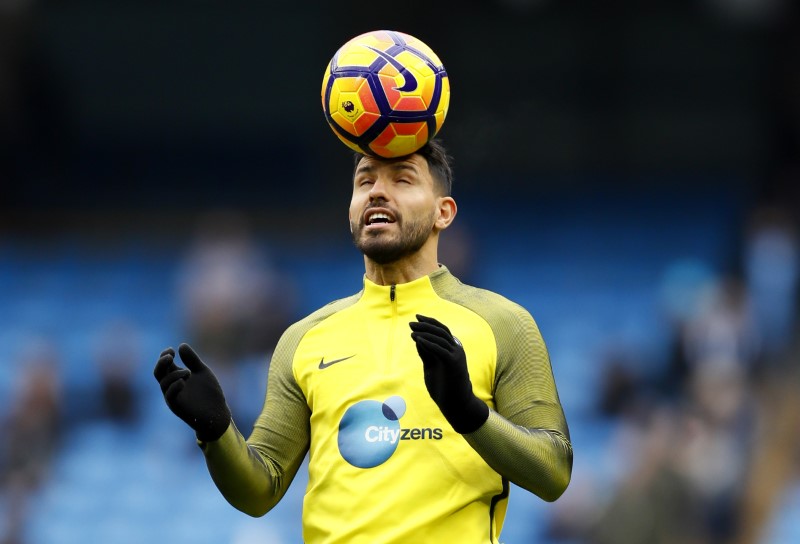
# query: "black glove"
{"type": "Point", "coordinates": [193, 393]}
{"type": "Point", "coordinates": [446, 375]}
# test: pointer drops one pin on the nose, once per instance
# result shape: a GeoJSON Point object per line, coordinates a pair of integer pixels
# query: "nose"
{"type": "Point", "coordinates": [378, 190]}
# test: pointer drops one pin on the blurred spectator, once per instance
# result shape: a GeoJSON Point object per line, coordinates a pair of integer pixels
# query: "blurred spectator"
{"type": "Point", "coordinates": [654, 503]}
{"type": "Point", "coordinates": [118, 358]}
{"type": "Point", "coordinates": [619, 389]}
{"type": "Point", "coordinates": [32, 433]}
{"type": "Point", "coordinates": [683, 288]}
{"type": "Point", "coordinates": [721, 331]}
{"type": "Point", "coordinates": [235, 303]}
{"type": "Point", "coordinates": [684, 454]}
{"type": "Point", "coordinates": [627, 386]}
{"type": "Point", "coordinates": [721, 446]}
{"type": "Point", "coordinates": [682, 462]}
{"type": "Point", "coordinates": [771, 268]}
{"type": "Point", "coordinates": [724, 330]}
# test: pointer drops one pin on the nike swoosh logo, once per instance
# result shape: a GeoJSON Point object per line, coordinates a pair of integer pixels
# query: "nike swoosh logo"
{"type": "Point", "coordinates": [409, 81]}
{"type": "Point", "coordinates": [323, 364]}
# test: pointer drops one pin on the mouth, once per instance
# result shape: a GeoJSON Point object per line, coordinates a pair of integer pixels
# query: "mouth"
{"type": "Point", "coordinates": [377, 217]}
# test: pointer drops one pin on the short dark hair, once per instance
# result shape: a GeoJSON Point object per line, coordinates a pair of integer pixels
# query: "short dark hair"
{"type": "Point", "coordinates": [439, 163]}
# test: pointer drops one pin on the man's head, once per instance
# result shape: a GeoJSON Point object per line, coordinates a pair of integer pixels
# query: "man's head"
{"type": "Point", "coordinates": [439, 164]}
{"type": "Point", "coordinates": [400, 205]}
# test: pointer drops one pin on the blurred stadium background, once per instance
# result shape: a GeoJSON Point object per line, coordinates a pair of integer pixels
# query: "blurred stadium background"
{"type": "Point", "coordinates": [626, 170]}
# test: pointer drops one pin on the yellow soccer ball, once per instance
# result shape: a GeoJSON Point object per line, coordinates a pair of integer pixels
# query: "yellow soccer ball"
{"type": "Point", "coordinates": [385, 93]}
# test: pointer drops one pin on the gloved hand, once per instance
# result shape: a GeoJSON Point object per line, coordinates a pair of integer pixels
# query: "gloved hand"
{"type": "Point", "coordinates": [446, 375]}
{"type": "Point", "coordinates": [193, 393]}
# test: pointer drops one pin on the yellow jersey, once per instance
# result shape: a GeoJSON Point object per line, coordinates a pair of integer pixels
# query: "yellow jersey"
{"type": "Point", "coordinates": [346, 386]}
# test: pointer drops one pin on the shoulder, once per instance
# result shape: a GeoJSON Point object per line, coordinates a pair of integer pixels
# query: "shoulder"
{"type": "Point", "coordinates": [499, 311]}
{"type": "Point", "coordinates": [516, 334]}
{"type": "Point", "coordinates": [295, 332]}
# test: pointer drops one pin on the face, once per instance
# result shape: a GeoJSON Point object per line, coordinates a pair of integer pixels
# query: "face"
{"type": "Point", "coordinates": [394, 208]}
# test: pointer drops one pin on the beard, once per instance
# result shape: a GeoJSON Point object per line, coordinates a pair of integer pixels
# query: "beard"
{"type": "Point", "coordinates": [384, 248]}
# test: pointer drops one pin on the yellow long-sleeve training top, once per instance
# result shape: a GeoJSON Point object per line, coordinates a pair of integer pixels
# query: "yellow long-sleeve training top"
{"type": "Point", "coordinates": [346, 386]}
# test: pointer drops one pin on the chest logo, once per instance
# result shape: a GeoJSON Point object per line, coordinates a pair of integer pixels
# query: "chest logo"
{"type": "Point", "coordinates": [370, 431]}
{"type": "Point", "coordinates": [323, 364]}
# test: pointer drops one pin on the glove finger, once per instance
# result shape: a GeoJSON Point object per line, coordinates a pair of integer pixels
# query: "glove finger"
{"type": "Point", "coordinates": [433, 328]}
{"type": "Point", "coordinates": [168, 351]}
{"type": "Point", "coordinates": [172, 377]}
{"type": "Point", "coordinates": [419, 326]}
{"type": "Point", "coordinates": [164, 365]}
{"type": "Point", "coordinates": [434, 331]}
{"type": "Point", "coordinates": [190, 358]}
{"type": "Point", "coordinates": [173, 390]}
{"type": "Point", "coordinates": [446, 344]}
{"type": "Point", "coordinates": [434, 322]}
{"type": "Point", "coordinates": [430, 347]}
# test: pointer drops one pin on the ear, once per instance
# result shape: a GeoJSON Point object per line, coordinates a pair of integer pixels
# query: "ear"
{"type": "Point", "coordinates": [447, 212]}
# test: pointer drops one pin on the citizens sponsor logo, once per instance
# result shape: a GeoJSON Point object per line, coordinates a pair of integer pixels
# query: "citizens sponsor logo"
{"type": "Point", "coordinates": [370, 431]}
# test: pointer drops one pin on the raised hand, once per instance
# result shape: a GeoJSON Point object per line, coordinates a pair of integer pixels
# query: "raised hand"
{"type": "Point", "coordinates": [193, 393]}
{"type": "Point", "coordinates": [446, 376]}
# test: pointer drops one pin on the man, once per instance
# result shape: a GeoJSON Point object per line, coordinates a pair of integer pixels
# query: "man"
{"type": "Point", "coordinates": [418, 399]}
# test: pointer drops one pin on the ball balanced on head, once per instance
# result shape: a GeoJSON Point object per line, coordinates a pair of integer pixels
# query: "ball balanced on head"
{"type": "Point", "coordinates": [385, 93]}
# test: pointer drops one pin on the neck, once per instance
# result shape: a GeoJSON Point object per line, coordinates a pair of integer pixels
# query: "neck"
{"type": "Point", "coordinates": [402, 271]}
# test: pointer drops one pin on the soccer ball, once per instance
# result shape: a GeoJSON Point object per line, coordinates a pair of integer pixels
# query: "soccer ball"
{"type": "Point", "coordinates": [385, 93]}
